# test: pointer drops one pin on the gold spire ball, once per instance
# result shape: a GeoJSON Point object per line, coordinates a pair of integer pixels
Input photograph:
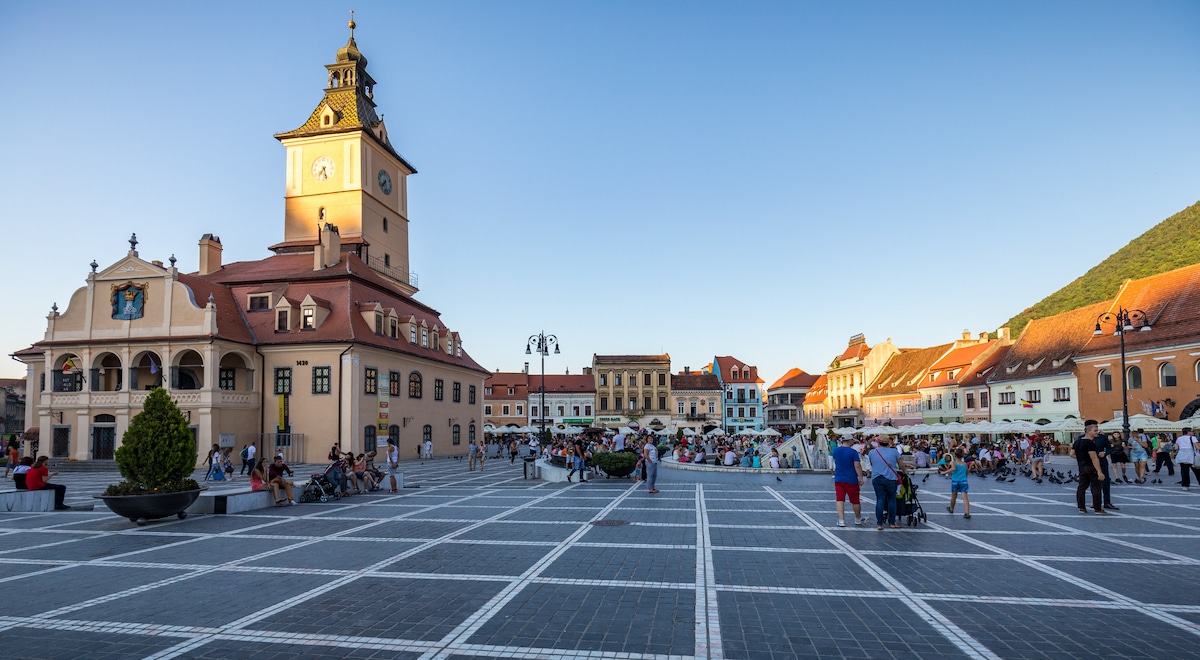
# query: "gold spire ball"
{"type": "Point", "coordinates": [352, 26]}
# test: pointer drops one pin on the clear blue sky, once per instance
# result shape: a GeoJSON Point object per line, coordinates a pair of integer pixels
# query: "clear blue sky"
{"type": "Point", "coordinates": [757, 179]}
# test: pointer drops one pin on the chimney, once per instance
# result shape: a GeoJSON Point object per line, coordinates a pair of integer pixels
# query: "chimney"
{"type": "Point", "coordinates": [587, 371]}
{"type": "Point", "coordinates": [526, 368]}
{"type": "Point", "coordinates": [966, 335]}
{"type": "Point", "coordinates": [210, 254]}
{"type": "Point", "coordinates": [1004, 335]}
{"type": "Point", "coordinates": [983, 336]}
{"type": "Point", "coordinates": [687, 371]}
{"type": "Point", "coordinates": [328, 251]}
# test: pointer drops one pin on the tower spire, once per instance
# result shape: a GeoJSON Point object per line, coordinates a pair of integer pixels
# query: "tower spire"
{"type": "Point", "coordinates": [352, 25]}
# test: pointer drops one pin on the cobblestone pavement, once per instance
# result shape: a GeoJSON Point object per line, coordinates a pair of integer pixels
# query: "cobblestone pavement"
{"type": "Point", "coordinates": [474, 565]}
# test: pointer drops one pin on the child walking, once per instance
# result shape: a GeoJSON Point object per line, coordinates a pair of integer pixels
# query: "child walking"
{"type": "Point", "coordinates": [953, 465]}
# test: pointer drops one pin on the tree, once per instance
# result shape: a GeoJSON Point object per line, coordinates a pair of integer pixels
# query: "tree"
{"type": "Point", "coordinates": [157, 452]}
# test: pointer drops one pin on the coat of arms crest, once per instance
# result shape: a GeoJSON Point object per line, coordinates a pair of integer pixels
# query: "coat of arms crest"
{"type": "Point", "coordinates": [128, 301]}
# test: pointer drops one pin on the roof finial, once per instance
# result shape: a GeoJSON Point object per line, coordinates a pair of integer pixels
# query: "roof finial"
{"type": "Point", "coordinates": [352, 24]}
{"type": "Point", "coordinates": [133, 241]}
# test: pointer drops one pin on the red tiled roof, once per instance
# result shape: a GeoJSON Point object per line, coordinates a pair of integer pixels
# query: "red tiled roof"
{"type": "Point", "coordinates": [818, 392]}
{"type": "Point", "coordinates": [795, 377]}
{"type": "Point", "coordinates": [342, 287]}
{"type": "Point", "coordinates": [959, 358]}
{"type": "Point", "coordinates": [665, 357]}
{"type": "Point", "coordinates": [694, 381]}
{"type": "Point", "coordinates": [854, 352]}
{"type": "Point", "coordinates": [904, 371]}
{"type": "Point", "coordinates": [725, 363]}
{"type": "Point", "coordinates": [564, 383]}
{"type": "Point", "coordinates": [1048, 345]}
{"type": "Point", "coordinates": [1171, 302]}
{"type": "Point", "coordinates": [977, 375]}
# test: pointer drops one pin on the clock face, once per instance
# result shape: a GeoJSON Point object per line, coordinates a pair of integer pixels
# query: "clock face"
{"type": "Point", "coordinates": [385, 182]}
{"type": "Point", "coordinates": [322, 168]}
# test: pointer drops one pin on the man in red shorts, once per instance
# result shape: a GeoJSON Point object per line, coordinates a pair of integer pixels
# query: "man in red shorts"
{"type": "Point", "coordinates": [847, 477]}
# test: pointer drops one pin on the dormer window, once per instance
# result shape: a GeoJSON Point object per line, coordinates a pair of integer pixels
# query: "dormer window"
{"type": "Point", "coordinates": [308, 319]}
{"type": "Point", "coordinates": [394, 327]}
{"type": "Point", "coordinates": [260, 303]}
{"type": "Point", "coordinates": [378, 323]}
{"type": "Point", "coordinates": [412, 334]}
{"type": "Point", "coordinates": [424, 338]}
{"type": "Point", "coordinates": [281, 321]}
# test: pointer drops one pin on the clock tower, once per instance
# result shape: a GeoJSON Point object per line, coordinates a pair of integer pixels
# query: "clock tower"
{"type": "Point", "coordinates": [343, 170]}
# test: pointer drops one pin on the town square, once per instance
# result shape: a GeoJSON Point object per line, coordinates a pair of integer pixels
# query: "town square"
{"type": "Point", "coordinates": [623, 330]}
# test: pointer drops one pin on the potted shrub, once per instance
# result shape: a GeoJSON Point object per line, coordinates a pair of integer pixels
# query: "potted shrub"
{"type": "Point", "coordinates": [616, 464]}
{"type": "Point", "coordinates": [156, 458]}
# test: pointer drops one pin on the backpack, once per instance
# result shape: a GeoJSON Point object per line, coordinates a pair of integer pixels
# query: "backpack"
{"type": "Point", "coordinates": [245, 454]}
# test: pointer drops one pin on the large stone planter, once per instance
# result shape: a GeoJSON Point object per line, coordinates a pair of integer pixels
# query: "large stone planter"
{"type": "Point", "coordinates": [140, 508]}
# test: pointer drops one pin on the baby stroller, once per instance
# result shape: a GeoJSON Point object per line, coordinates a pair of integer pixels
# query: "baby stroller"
{"type": "Point", "coordinates": [319, 489]}
{"type": "Point", "coordinates": [907, 504]}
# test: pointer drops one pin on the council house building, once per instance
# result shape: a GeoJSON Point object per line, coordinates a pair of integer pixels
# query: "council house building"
{"type": "Point", "coordinates": [320, 344]}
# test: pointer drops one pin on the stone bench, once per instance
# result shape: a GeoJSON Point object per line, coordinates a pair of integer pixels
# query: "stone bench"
{"type": "Point", "coordinates": [233, 501]}
{"type": "Point", "coordinates": [27, 500]}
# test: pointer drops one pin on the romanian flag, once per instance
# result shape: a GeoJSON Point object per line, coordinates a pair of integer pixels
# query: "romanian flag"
{"type": "Point", "coordinates": [68, 366]}
{"type": "Point", "coordinates": [1026, 404]}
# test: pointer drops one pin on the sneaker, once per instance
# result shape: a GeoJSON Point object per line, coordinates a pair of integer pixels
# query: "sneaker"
{"type": "Point", "coordinates": [967, 516]}
{"type": "Point", "coordinates": [859, 521]}
{"type": "Point", "coordinates": [841, 523]}
{"type": "Point", "coordinates": [1187, 487]}
{"type": "Point", "coordinates": [291, 502]}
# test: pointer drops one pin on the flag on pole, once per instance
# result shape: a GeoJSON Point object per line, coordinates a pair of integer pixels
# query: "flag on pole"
{"type": "Point", "coordinates": [153, 367]}
{"type": "Point", "coordinates": [68, 366]}
{"type": "Point", "coordinates": [1148, 408]}
{"type": "Point", "coordinates": [1026, 404]}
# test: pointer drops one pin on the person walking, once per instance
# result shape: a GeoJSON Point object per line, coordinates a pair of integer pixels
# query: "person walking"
{"type": "Point", "coordinates": [248, 453]}
{"type": "Point", "coordinates": [650, 460]}
{"type": "Point", "coordinates": [473, 456]}
{"type": "Point", "coordinates": [1139, 452]}
{"type": "Point", "coordinates": [1037, 459]}
{"type": "Point", "coordinates": [1187, 449]}
{"type": "Point", "coordinates": [957, 469]}
{"type": "Point", "coordinates": [1119, 458]}
{"type": "Point", "coordinates": [847, 480]}
{"type": "Point", "coordinates": [1163, 457]}
{"type": "Point", "coordinates": [1090, 476]}
{"type": "Point", "coordinates": [481, 452]}
{"type": "Point", "coordinates": [393, 463]}
{"type": "Point", "coordinates": [428, 451]}
{"type": "Point", "coordinates": [886, 469]}
{"type": "Point", "coordinates": [1103, 451]}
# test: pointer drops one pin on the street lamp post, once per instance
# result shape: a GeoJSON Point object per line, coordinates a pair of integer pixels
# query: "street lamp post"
{"type": "Point", "coordinates": [540, 344]}
{"type": "Point", "coordinates": [1123, 320]}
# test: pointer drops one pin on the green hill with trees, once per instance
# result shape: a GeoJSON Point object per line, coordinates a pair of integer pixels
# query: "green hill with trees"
{"type": "Point", "coordinates": [1172, 243]}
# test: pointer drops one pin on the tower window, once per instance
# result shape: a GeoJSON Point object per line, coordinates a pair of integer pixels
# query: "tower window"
{"type": "Point", "coordinates": [387, 261]}
{"type": "Point", "coordinates": [385, 224]}
{"type": "Point", "coordinates": [321, 213]}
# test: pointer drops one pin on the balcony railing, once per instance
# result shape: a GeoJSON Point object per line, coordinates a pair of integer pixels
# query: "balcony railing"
{"type": "Point", "coordinates": [697, 417]}
{"type": "Point", "coordinates": [378, 264]}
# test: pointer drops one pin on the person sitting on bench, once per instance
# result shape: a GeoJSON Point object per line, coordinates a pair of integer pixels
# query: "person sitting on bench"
{"type": "Point", "coordinates": [38, 478]}
{"type": "Point", "coordinates": [22, 469]}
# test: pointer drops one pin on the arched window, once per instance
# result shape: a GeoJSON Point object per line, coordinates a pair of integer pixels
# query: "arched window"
{"type": "Point", "coordinates": [369, 438]}
{"type": "Point", "coordinates": [414, 385]}
{"type": "Point", "coordinates": [456, 434]}
{"type": "Point", "coordinates": [471, 434]}
{"type": "Point", "coordinates": [1166, 375]}
{"type": "Point", "coordinates": [1196, 369]}
{"type": "Point", "coordinates": [427, 433]}
{"type": "Point", "coordinates": [1133, 378]}
{"type": "Point", "coordinates": [1104, 380]}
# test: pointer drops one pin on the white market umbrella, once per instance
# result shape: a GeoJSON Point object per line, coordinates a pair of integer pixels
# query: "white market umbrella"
{"type": "Point", "coordinates": [689, 432]}
{"type": "Point", "coordinates": [845, 431]}
{"type": "Point", "coordinates": [771, 432]}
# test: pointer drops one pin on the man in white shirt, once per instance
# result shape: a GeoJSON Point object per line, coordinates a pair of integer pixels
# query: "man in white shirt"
{"type": "Point", "coordinates": [1187, 455]}
{"type": "Point", "coordinates": [730, 457]}
{"type": "Point", "coordinates": [428, 453]}
{"type": "Point", "coordinates": [534, 446]}
{"type": "Point", "coordinates": [618, 442]}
